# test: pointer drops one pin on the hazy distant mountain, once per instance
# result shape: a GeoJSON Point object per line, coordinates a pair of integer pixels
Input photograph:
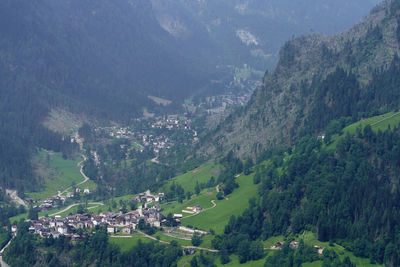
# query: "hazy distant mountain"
{"type": "Point", "coordinates": [95, 51]}
{"type": "Point", "coordinates": [252, 31]}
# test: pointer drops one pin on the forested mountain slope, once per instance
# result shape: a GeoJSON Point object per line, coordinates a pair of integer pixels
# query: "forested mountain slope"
{"type": "Point", "coordinates": [319, 79]}
{"type": "Point", "coordinates": [101, 58]}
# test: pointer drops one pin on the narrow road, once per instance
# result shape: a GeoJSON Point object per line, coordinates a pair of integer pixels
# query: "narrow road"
{"type": "Point", "coordinates": [3, 263]}
{"type": "Point", "coordinates": [85, 178]}
{"type": "Point", "coordinates": [213, 206]}
{"type": "Point", "coordinates": [385, 119]}
{"type": "Point", "coordinates": [77, 204]}
{"type": "Point", "coordinates": [14, 196]}
{"type": "Point", "coordinates": [81, 170]}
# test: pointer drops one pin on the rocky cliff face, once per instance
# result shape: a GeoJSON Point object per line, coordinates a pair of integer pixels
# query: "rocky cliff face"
{"type": "Point", "coordinates": [279, 112]}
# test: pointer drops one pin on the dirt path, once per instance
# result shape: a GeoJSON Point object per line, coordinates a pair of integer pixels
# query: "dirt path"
{"type": "Point", "coordinates": [81, 170]}
{"type": "Point", "coordinates": [385, 119]}
{"type": "Point", "coordinates": [77, 204]}
{"type": "Point", "coordinates": [213, 206]}
{"type": "Point", "coordinates": [14, 196]}
{"type": "Point", "coordinates": [85, 178]}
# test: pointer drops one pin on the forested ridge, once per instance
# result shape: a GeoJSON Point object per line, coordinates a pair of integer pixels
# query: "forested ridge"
{"type": "Point", "coordinates": [318, 79]}
{"type": "Point", "coordinates": [348, 195]}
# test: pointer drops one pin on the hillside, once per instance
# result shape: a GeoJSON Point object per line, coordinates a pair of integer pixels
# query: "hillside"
{"type": "Point", "coordinates": [318, 79]}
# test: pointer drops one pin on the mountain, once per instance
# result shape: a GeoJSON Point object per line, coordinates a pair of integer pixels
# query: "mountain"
{"type": "Point", "coordinates": [319, 79]}
{"type": "Point", "coordinates": [102, 58]}
{"type": "Point", "coordinates": [251, 32]}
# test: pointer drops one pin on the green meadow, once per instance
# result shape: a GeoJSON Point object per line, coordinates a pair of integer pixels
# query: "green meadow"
{"type": "Point", "coordinates": [57, 174]}
{"type": "Point", "coordinates": [381, 122]}
{"type": "Point", "coordinates": [200, 175]}
{"type": "Point", "coordinates": [310, 239]}
{"type": "Point", "coordinates": [126, 243]}
{"type": "Point", "coordinates": [216, 218]}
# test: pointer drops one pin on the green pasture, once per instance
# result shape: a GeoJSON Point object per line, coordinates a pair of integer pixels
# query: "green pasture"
{"type": "Point", "coordinates": [126, 243]}
{"type": "Point", "coordinates": [216, 218]}
{"type": "Point", "coordinates": [381, 122]}
{"type": "Point", "coordinates": [200, 175]}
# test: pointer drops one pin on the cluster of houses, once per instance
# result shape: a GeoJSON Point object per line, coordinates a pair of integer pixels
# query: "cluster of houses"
{"type": "Point", "coordinates": [114, 222]}
{"type": "Point", "coordinates": [193, 210]}
{"type": "Point", "coordinates": [157, 143]}
{"type": "Point", "coordinates": [148, 197]}
{"type": "Point", "coordinates": [59, 200]}
{"type": "Point", "coordinates": [295, 245]}
{"type": "Point", "coordinates": [171, 122]}
{"type": "Point", "coordinates": [146, 139]}
{"type": "Point", "coordinates": [51, 203]}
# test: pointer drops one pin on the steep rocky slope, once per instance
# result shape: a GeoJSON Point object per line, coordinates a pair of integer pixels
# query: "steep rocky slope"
{"type": "Point", "coordinates": [332, 75]}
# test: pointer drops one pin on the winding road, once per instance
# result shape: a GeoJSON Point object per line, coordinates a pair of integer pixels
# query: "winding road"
{"type": "Point", "coordinates": [213, 206]}
{"type": "Point", "coordinates": [85, 178]}
{"type": "Point", "coordinates": [77, 204]}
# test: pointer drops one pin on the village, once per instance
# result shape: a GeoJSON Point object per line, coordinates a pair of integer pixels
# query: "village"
{"type": "Point", "coordinates": [155, 135]}
{"type": "Point", "coordinates": [114, 222]}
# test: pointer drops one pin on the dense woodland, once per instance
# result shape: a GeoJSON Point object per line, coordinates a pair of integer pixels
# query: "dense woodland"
{"type": "Point", "coordinates": [340, 96]}
{"type": "Point", "coordinates": [348, 194]}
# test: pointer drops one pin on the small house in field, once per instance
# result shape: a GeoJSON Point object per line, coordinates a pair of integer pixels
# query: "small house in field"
{"type": "Point", "coordinates": [294, 244]}
{"type": "Point", "coordinates": [127, 230]}
{"type": "Point", "coordinates": [319, 249]}
{"type": "Point", "coordinates": [111, 229]}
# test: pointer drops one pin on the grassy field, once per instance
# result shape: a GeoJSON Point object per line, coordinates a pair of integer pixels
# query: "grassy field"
{"type": "Point", "coordinates": [58, 173]}
{"type": "Point", "coordinates": [203, 199]}
{"type": "Point", "coordinates": [201, 175]}
{"type": "Point", "coordinates": [381, 122]}
{"type": "Point", "coordinates": [169, 239]}
{"type": "Point", "coordinates": [216, 218]}
{"type": "Point", "coordinates": [311, 240]}
{"type": "Point", "coordinates": [126, 244]}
